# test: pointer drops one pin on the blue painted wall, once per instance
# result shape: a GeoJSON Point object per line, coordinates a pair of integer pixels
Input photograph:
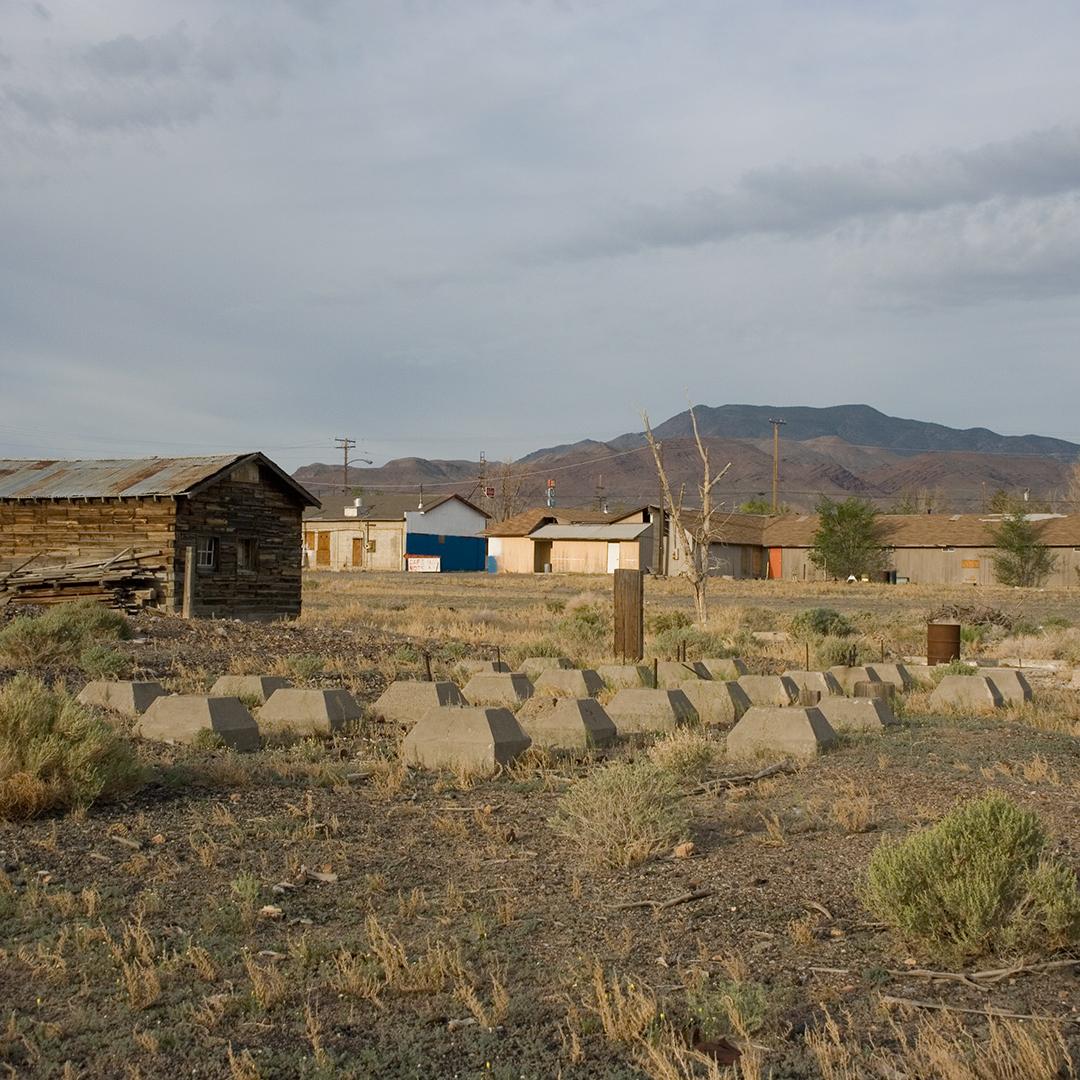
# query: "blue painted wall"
{"type": "Point", "coordinates": [456, 552]}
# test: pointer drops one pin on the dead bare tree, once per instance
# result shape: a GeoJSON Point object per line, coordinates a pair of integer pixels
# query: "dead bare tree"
{"type": "Point", "coordinates": [698, 529]}
{"type": "Point", "coordinates": [510, 479]}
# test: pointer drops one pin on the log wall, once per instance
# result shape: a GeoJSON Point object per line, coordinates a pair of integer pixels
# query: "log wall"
{"type": "Point", "coordinates": [64, 530]}
{"type": "Point", "coordinates": [232, 510]}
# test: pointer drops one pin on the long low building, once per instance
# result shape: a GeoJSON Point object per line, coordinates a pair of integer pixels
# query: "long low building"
{"type": "Point", "coordinates": [932, 549]}
{"type": "Point", "coordinates": [928, 549]}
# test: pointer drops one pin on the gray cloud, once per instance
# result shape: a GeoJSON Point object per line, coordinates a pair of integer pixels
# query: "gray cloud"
{"type": "Point", "coordinates": [792, 200]}
{"type": "Point", "coordinates": [315, 211]}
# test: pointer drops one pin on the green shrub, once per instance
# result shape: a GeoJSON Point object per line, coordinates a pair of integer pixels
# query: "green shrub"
{"type": "Point", "coordinates": [304, 667]}
{"type": "Point", "coordinates": [622, 814]}
{"type": "Point", "coordinates": [100, 662]}
{"type": "Point", "coordinates": [586, 625]}
{"type": "Point", "coordinates": [820, 622]}
{"type": "Point", "coordinates": [841, 652]}
{"type": "Point", "coordinates": [979, 881]}
{"type": "Point", "coordinates": [698, 643]}
{"type": "Point", "coordinates": [757, 618]}
{"type": "Point", "coordinates": [60, 634]}
{"type": "Point", "coordinates": [56, 754]}
{"type": "Point", "coordinates": [663, 621]}
{"type": "Point", "coordinates": [953, 667]}
{"type": "Point", "coordinates": [720, 1007]}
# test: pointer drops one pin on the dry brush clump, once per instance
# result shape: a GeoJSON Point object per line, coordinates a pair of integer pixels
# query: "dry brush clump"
{"type": "Point", "coordinates": [687, 753]}
{"type": "Point", "coordinates": [63, 634]}
{"type": "Point", "coordinates": [56, 754]}
{"type": "Point", "coordinates": [622, 814]}
{"type": "Point", "coordinates": [980, 881]}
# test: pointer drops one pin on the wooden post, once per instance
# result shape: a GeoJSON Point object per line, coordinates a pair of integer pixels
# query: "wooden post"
{"type": "Point", "coordinates": [189, 581]}
{"type": "Point", "coordinates": [427, 665]}
{"type": "Point", "coordinates": [630, 614]}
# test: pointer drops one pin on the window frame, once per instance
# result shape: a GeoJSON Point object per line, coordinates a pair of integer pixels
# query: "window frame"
{"type": "Point", "coordinates": [251, 566]}
{"type": "Point", "coordinates": [207, 554]}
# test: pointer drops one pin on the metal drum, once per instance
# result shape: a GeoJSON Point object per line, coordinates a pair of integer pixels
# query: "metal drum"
{"type": "Point", "coordinates": [942, 643]}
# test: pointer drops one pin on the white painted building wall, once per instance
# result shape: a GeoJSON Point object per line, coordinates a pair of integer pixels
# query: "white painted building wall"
{"type": "Point", "coordinates": [451, 518]}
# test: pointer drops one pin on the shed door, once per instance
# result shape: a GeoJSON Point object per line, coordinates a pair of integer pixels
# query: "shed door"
{"type": "Point", "coordinates": [358, 551]}
{"type": "Point", "coordinates": [322, 551]}
{"type": "Point", "coordinates": [612, 557]}
{"type": "Point", "coordinates": [776, 567]}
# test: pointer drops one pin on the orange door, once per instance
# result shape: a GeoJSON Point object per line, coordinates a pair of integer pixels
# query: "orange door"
{"type": "Point", "coordinates": [776, 569]}
{"type": "Point", "coordinates": [322, 552]}
{"type": "Point", "coordinates": [357, 551]}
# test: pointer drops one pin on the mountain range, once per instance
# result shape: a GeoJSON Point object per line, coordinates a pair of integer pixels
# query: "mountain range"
{"type": "Point", "coordinates": [837, 451]}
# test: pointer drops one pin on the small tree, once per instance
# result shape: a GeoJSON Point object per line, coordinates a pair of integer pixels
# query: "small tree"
{"type": "Point", "coordinates": [698, 529]}
{"type": "Point", "coordinates": [848, 539]}
{"type": "Point", "coordinates": [1020, 559]}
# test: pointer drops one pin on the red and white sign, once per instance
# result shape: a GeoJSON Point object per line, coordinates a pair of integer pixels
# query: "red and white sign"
{"type": "Point", "coordinates": [423, 564]}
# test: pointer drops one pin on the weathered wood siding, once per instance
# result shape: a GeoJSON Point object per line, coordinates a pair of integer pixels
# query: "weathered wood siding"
{"type": "Point", "coordinates": [235, 509]}
{"type": "Point", "coordinates": [65, 530]}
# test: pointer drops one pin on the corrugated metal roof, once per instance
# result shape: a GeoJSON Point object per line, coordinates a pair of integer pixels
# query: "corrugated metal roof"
{"type": "Point", "coordinates": [122, 478]}
{"type": "Point", "coordinates": [589, 532]}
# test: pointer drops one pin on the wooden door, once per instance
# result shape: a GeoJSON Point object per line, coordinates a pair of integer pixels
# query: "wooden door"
{"type": "Point", "coordinates": [357, 552]}
{"type": "Point", "coordinates": [776, 565]}
{"type": "Point", "coordinates": [322, 551]}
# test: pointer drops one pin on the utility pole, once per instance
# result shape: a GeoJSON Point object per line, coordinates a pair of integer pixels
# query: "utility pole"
{"type": "Point", "coordinates": [776, 425]}
{"type": "Point", "coordinates": [599, 502]}
{"type": "Point", "coordinates": [345, 444]}
{"type": "Point", "coordinates": [658, 527]}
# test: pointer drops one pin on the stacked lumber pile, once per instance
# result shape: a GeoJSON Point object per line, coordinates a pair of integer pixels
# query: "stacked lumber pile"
{"type": "Point", "coordinates": [129, 581]}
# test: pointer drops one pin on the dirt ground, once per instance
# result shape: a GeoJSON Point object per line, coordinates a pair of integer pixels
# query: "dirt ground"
{"type": "Point", "coordinates": [232, 919]}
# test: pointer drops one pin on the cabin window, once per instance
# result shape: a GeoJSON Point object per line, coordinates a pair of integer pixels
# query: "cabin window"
{"type": "Point", "coordinates": [371, 547]}
{"type": "Point", "coordinates": [247, 554]}
{"type": "Point", "coordinates": [442, 539]}
{"type": "Point", "coordinates": [206, 554]}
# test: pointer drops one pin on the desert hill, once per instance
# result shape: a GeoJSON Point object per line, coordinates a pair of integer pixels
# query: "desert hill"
{"type": "Point", "coordinates": [838, 451]}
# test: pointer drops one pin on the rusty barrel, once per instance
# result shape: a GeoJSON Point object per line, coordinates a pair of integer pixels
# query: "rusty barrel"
{"type": "Point", "coordinates": [942, 643]}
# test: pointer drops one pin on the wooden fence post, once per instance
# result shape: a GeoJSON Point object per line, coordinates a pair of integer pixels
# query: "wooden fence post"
{"type": "Point", "coordinates": [630, 614]}
{"type": "Point", "coordinates": [189, 581]}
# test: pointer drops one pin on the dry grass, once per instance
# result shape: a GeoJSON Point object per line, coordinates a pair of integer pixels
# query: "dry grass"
{"type": "Point", "coordinates": [688, 753]}
{"type": "Point", "coordinates": [940, 1045]}
{"type": "Point", "coordinates": [853, 809]}
{"type": "Point", "coordinates": [622, 814]}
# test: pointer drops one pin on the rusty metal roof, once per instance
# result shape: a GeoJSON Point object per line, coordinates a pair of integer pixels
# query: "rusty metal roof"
{"type": "Point", "coordinates": [123, 478]}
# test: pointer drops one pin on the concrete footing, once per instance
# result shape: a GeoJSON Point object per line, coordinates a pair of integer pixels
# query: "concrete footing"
{"type": "Point", "coordinates": [469, 738]}
{"type": "Point", "coordinates": [974, 693]}
{"type": "Point", "coordinates": [249, 687]}
{"type": "Point", "coordinates": [769, 690]}
{"type": "Point", "coordinates": [896, 675]}
{"type": "Point", "coordinates": [179, 718]}
{"type": "Point", "coordinates": [671, 674]}
{"type": "Point", "coordinates": [716, 702]}
{"type": "Point", "coordinates": [129, 698]}
{"type": "Point", "coordinates": [405, 701]}
{"type": "Point", "coordinates": [821, 682]}
{"type": "Point", "coordinates": [646, 712]}
{"type": "Point", "coordinates": [726, 668]}
{"type": "Point", "coordinates": [506, 689]}
{"type": "Point", "coordinates": [799, 732]}
{"type": "Point", "coordinates": [847, 677]}
{"type": "Point", "coordinates": [534, 665]}
{"type": "Point", "coordinates": [308, 712]}
{"type": "Point", "coordinates": [1010, 684]}
{"type": "Point", "coordinates": [625, 676]}
{"type": "Point", "coordinates": [857, 714]}
{"type": "Point", "coordinates": [482, 667]}
{"type": "Point", "coordinates": [571, 683]}
{"type": "Point", "coordinates": [566, 725]}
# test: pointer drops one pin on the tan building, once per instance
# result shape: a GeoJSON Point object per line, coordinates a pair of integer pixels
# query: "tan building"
{"type": "Point", "coordinates": [384, 532]}
{"type": "Point", "coordinates": [928, 549]}
{"type": "Point", "coordinates": [570, 540]}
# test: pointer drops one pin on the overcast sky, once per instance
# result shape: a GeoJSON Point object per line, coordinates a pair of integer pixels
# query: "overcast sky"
{"type": "Point", "coordinates": [447, 227]}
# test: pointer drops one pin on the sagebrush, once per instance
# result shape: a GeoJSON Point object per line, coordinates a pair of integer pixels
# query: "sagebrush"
{"type": "Point", "coordinates": [55, 753]}
{"type": "Point", "coordinates": [980, 881]}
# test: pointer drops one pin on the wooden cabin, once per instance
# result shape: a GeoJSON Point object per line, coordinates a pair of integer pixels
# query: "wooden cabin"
{"type": "Point", "coordinates": [236, 519]}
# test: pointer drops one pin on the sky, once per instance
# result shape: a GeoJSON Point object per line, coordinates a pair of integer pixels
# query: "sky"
{"type": "Point", "coordinates": [442, 227]}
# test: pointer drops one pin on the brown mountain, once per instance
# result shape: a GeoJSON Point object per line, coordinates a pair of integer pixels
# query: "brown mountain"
{"type": "Point", "coordinates": [901, 460]}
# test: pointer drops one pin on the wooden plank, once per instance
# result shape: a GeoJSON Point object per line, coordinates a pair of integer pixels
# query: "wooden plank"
{"type": "Point", "coordinates": [629, 590]}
